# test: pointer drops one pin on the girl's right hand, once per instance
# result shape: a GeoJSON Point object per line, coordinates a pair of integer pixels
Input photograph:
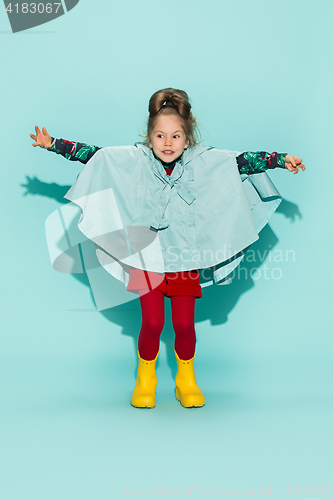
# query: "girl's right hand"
{"type": "Point", "coordinates": [293, 163]}
{"type": "Point", "coordinates": [43, 139]}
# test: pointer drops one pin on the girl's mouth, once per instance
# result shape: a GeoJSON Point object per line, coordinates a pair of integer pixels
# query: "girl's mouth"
{"type": "Point", "coordinates": [168, 152]}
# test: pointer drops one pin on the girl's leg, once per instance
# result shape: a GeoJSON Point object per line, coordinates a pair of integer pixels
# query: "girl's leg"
{"type": "Point", "coordinates": [188, 392]}
{"type": "Point", "coordinates": [152, 308]}
{"type": "Point", "coordinates": [182, 307]}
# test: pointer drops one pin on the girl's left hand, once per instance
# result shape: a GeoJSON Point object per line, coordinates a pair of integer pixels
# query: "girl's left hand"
{"type": "Point", "coordinates": [293, 163]}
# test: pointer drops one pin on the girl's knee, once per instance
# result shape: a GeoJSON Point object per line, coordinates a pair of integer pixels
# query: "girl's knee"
{"type": "Point", "coordinates": [153, 325]}
{"type": "Point", "coordinates": [184, 326]}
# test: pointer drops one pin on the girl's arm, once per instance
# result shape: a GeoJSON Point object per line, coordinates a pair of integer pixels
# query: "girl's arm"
{"type": "Point", "coordinates": [74, 151]}
{"type": "Point", "coordinates": [251, 163]}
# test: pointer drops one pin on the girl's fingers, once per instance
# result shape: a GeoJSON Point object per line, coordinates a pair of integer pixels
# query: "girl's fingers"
{"type": "Point", "coordinates": [293, 168]}
{"type": "Point", "coordinates": [39, 137]}
{"type": "Point", "coordinates": [296, 161]}
{"type": "Point", "coordinates": [301, 166]}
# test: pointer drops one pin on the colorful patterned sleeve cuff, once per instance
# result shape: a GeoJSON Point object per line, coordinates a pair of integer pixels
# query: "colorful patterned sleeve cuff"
{"type": "Point", "coordinates": [254, 162]}
{"type": "Point", "coordinates": [52, 144]}
{"type": "Point", "coordinates": [281, 160]}
{"type": "Point", "coordinates": [73, 151]}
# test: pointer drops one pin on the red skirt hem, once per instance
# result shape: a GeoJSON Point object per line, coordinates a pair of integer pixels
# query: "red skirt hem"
{"type": "Point", "coordinates": [170, 284]}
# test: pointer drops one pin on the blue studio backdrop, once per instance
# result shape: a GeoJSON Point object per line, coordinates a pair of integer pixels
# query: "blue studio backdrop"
{"type": "Point", "coordinates": [259, 75]}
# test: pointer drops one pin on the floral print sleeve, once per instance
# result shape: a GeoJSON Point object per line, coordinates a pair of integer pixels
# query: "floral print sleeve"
{"type": "Point", "coordinates": [73, 151]}
{"type": "Point", "coordinates": [252, 163]}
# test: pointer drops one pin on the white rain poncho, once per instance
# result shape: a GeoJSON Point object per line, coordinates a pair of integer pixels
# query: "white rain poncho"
{"type": "Point", "coordinates": [203, 216]}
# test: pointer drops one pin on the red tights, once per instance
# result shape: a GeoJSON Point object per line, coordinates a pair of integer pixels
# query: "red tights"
{"type": "Point", "coordinates": [152, 307]}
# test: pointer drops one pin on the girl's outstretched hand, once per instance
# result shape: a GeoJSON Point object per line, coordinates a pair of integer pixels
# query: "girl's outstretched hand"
{"type": "Point", "coordinates": [43, 139]}
{"type": "Point", "coordinates": [293, 163]}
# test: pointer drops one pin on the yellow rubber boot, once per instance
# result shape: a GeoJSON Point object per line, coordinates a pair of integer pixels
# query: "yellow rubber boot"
{"type": "Point", "coordinates": [188, 392]}
{"type": "Point", "coordinates": [144, 391]}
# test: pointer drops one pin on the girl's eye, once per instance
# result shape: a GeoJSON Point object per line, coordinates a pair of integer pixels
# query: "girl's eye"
{"type": "Point", "coordinates": [176, 136]}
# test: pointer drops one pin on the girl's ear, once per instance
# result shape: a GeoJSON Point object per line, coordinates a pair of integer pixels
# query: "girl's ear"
{"type": "Point", "coordinates": [149, 142]}
{"type": "Point", "coordinates": [187, 143]}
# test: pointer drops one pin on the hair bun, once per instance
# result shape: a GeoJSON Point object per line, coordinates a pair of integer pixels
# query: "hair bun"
{"type": "Point", "coordinates": [167, 103]}
{"type": "Point", "coordinates": [175, 98]}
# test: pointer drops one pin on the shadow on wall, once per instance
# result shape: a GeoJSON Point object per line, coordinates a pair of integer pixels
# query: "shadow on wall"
{"type": "Point", "coordinates": [217, 301]}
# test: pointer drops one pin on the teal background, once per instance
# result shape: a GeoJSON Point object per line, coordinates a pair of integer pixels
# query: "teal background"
{"type": "Point", "coordinates": [259, 76]}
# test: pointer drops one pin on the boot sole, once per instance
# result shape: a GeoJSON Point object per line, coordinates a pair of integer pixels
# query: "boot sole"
{"type": "Point", "coordinates": [188, 406]}
{"type": "Point", "coordinates": [143, 407]}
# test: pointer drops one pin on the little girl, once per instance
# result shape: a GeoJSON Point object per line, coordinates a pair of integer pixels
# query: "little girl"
{"type": "Point", "coordinates": [179, 182]}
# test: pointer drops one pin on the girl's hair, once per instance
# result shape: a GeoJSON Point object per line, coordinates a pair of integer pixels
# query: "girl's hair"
{"type": "Point", "coordinates": [172, 101]}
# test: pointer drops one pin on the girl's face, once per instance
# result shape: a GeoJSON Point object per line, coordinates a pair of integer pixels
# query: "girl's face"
{"type": "Point", "coordinates": [168, 139]}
